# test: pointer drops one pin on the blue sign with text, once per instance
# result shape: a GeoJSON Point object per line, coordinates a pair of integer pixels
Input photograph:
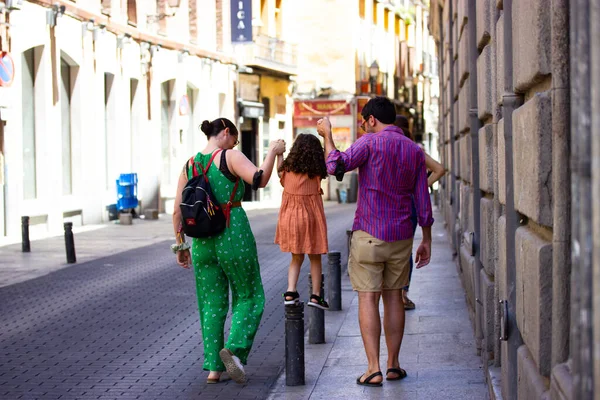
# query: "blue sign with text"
{"type": "Point", "coordinates": [241, 21]}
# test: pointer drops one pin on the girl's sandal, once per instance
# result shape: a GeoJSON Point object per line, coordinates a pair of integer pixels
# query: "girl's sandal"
{"type": "Point", "coordinates": [318, 303]}
{"type": "Point", "coordinates": [291, 298]}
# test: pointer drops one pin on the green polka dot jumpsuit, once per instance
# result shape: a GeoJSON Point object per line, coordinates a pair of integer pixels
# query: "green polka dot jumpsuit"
{"type": "Point", "coordinates": [223, 261]}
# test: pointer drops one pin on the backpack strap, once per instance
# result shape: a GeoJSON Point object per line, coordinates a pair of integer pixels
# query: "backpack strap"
{"type": "Point", "coordinates": [227, 208]}
{"type": "Point", "coordinates": [205, 170]}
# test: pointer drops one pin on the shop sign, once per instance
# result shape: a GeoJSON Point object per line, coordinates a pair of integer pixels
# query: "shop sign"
{"type": "Point", "coordinates": [241, 21]}
{"type": "Point", "coordinates": [321, 108]}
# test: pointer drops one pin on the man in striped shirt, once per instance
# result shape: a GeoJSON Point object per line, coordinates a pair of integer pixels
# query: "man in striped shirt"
{"type": "Point", "coordinates": [391, 172]}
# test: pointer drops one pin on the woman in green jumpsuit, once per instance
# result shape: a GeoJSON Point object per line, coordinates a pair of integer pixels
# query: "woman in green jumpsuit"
{"type": "Point", "coordinates": [229, 259]}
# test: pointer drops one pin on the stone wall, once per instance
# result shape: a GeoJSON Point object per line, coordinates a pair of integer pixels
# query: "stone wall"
{"type": "Point", "coordinates": [530, 165]}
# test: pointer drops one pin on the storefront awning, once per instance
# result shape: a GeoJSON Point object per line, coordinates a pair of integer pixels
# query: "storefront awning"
{"type": "Point", "coordinates": [251, 109]}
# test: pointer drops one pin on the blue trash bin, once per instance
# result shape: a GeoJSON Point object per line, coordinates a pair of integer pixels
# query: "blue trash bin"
{"type": "Point", "coordinates": [127, 192]}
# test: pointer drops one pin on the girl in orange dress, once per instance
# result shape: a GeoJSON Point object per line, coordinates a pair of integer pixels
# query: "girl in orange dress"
{"type": "Point", "coordinates": [302, 228]}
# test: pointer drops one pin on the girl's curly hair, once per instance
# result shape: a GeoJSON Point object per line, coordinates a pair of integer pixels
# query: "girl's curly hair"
{"type": "Point", "coordinates": [306, 157]}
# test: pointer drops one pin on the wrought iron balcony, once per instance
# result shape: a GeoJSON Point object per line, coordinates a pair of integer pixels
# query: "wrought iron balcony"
{"type": "Point", "coordinates": [271, 53]}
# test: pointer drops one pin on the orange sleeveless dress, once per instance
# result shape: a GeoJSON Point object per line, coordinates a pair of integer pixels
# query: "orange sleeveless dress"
{"type": "Point", "coordinates": [302, 227]}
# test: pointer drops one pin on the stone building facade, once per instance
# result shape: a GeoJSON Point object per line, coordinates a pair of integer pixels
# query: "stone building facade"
{"type": "Point", "coordinates": [520, 133]}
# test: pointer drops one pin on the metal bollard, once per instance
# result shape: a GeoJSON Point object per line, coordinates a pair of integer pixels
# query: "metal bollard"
{"type": "Point", "coordinates": [316, 317]}
{"type": "Point", "coordinates": [335, 281]}
{"type": "Point", "coordinates": [25, 244]}
{"type": "Point", "coordinates": [70, 243]}
{"type": "Point", "coordinates": [294, 344]}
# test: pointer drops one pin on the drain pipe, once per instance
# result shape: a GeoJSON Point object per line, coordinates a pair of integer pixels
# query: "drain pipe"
{"type": "Point", "coordinates": [582, 275]}
{"type": "Point", "coordinates": [453, 145]}
{"type": "Point", "coordinates": [561, 178]}
{"type": "Point", "coordinates": [511, 102]}
{"type": "Point", "coordinates": [475, 124]}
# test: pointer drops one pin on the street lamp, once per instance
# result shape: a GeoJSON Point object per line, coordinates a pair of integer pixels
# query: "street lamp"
{"type": "Point", "coordinates": [373, 74]}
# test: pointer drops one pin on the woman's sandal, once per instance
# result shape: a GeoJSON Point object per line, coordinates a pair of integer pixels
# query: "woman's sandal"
{"type": "Point", "coordinates": [213, 380]}
{"type": "Point", "coordinates": [318, 303]}
{"type": "Point", "coordinates": [368, 379]}
{"type": "Point", "coordinates": [398, 371]}
{"type": "Point", "coordinates": [295, 298]}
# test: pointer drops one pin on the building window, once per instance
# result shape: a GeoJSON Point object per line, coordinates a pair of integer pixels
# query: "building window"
{"type": "Point", "coordinates": [29, 71]}
{"type": "Point", "coordinates": [166, 115]}
{"type": "Point", "coordinates": [193, 15]}
{"type": "Point", "coordinates": [375, 12]}
{"type": "Point", "coordinates": [132, 12]}
{"type": "Point", "coordinates": [65, 113]}
{"type": "Point", "coordinates": [108, 126]}
{"type": "Point", "coordinates": [386, 20]}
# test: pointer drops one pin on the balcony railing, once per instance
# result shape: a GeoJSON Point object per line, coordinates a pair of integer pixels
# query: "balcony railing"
{"type": "Point", "coordinates": [272, 53]}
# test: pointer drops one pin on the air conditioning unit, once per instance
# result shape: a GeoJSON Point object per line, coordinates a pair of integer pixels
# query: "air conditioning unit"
{"type": "Point", "coordinates": [12, 5]}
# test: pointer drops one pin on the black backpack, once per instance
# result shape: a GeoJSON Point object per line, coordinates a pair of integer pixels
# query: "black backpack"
{"type": "Point", "coordinates": [201, 213]}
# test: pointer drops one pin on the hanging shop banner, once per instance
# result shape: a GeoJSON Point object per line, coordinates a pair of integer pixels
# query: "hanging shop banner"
{"type": "Point", "coordinates": [241, 21]}
{"type": "Point", "coordinates": [308, 112]}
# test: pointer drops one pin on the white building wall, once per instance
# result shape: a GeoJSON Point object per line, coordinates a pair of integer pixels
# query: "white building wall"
{"type": "Point", "coordinates": [133, 143]}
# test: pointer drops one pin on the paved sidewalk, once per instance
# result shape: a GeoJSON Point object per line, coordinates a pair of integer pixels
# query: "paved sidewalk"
{"type": "Point", "coordinates": [438, 350]}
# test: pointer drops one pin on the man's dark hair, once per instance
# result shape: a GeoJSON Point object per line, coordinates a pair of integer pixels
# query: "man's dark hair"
{"type": "Point", "coordinates": [381, 108]}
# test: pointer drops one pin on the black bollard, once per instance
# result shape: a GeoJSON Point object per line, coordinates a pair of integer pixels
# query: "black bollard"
{"type": "Point", "coordinates": [294, 344]}
{"type": "Point", "coordinates": [316, 317]}
{"type": "Point", "coordinates": [25, 244]}
{"type": "Point", "coordinates": [70, 243]}
{"type": "Point", "coordinates": [335, 281]}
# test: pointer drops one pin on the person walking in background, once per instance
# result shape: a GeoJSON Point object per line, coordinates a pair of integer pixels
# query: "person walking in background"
{"type": "Point", "coordinates": [228, 259]}
{"type": "Point", "coordinates": [391, 172]}
{"type": "Point", "coordinates": [435, 172]}
{"type": "Point", "coordinates": [302, 227]}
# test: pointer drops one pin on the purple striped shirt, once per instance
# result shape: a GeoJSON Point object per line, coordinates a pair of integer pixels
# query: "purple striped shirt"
{"type": "Point", "coordinates": [391, 173]}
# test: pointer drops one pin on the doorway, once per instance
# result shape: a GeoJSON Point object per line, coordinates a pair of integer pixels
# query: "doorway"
{"type": "Point", "coordinates": [249, 133]}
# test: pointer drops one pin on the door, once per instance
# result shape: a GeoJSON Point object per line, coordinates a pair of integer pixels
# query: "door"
{"type": "Point", "coordinates": [250, 150]}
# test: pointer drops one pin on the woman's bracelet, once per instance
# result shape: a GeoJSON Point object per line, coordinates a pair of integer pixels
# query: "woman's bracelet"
{"type": "Point", "coordinates": [179, 247]}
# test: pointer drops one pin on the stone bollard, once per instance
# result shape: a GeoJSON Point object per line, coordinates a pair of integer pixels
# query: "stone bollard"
{"type": "Point", "coordinates": [335, 281]}
{"type": "Point", "coordinates": [70, 243]}
{"type": "Point", "coordinates": [25, 244]}
{"type": "Point", "coordinates": [151, 213]}
{"type": "Point", "coordinates": [125, 219]}
{"type": "Point", "coordinates": [294, 344]}
{"type": "Point", "coordinates": [316, 317]}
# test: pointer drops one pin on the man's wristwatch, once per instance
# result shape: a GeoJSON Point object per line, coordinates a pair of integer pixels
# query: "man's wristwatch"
{"type": "Point", "coordinates": [179, 247]}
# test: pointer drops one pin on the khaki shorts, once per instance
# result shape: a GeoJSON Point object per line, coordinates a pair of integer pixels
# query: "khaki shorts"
{"type": "Point", "coordinates": [375, 265]}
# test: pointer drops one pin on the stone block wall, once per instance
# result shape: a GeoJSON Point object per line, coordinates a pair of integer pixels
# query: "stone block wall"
{"type": "Point", "coordinates": [529, 167]}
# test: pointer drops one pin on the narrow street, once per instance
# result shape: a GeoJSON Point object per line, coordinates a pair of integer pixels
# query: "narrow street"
{"type": "Point", "coordinates": [126, 326]}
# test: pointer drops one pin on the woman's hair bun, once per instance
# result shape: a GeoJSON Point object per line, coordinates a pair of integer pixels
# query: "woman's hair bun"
{"type": "Point", "coordinates": [206, 127]}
